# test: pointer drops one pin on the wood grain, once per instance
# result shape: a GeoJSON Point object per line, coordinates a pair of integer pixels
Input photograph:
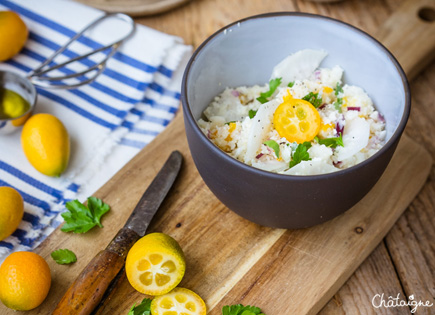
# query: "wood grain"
{"type": "Point", "coordinates": [135, 7]}
{"type": "Point", "coordinates": [376, 275]}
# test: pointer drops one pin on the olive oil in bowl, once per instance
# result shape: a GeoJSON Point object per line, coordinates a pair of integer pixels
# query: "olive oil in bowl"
{"type": "Point", "coordinates": [12, 104]}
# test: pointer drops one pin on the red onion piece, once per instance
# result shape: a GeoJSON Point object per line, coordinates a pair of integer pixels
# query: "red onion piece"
{"type": "Point", "coordinates": [259, 156]}
{"type": "Point", "coordinates": [354, 108]}
{"type": "Point", "coordinates": [235, 93]}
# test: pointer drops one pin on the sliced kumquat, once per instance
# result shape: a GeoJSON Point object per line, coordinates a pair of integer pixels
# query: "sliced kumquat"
{"type": "Point", "coordinates": [296, 120]}
{"type": "Point", "coordinates": [326, 127]}
{"type": "Point", "coordinates": [232, 127]}
{"type": "Point", "coordinates": [327, 90]}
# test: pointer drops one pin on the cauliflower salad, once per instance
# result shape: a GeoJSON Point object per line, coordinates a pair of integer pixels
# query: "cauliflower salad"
{"type": "Point", "coordinates": [304, 121]}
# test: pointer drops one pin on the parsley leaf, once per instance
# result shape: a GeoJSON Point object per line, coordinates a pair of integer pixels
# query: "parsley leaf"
{"type": "Point", "coordinates": [252, 113]}
{"type": "Point", "coordinates": [64, 256]}
{"type": "Point", "coordinates": [273, 85]}
{"type": "Point", "coordinates": [338, 89]}
{"type": "Point", "coordinates": [301, 154]}
{"type": "Point", "coordinates": [239, 309]}
{"type": "Point", "coordinates": [273, 145]}
{"type": "Point", "coordinates": [339, 101]}
{"type": "Point", "coordinates": [144, 308]}
{"type": "Point", "coordinates": [80, 219]}
{"type": "Point", "coordinates": [332, 142]}
{"type": "Point", "coordinates": [290, 85]}
{"type": "Point", "coordinates": [313, 98]}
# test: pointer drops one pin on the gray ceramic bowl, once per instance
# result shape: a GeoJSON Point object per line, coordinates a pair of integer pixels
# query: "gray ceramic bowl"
{"type": "Point", "coordinates": [244, 53]}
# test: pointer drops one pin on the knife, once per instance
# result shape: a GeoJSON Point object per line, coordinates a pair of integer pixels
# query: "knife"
{"type": "Point", "coordinates": [88, 289]}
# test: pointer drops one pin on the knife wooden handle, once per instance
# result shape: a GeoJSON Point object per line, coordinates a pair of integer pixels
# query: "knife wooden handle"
{"type": "Point", "coordinates": [88, 289]}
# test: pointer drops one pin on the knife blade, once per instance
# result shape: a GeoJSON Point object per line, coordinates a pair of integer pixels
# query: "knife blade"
{"type": "Point", "coordinates": [88, 289]}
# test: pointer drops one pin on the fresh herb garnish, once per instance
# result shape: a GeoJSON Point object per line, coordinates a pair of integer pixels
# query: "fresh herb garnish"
{"type": "Point", "coordinates": [290, 85]}
{"type": "Point", "coordinates": [239, 309]}
{"type": "Point", "coordinates": [80, 219]}
{"type": "Point", "coordinates": [144, 308]}
{"type": "Point", "coordinates": [273, 85]}
{"type": "Point", "coordinates": [301, 154]}
{"type": "Point", "coordinates": [332, 142]}
{"type": "Point", "coordinates": [273, 145]}
{"type": "Point", "coordinates": [252, 113]}
{"type": "Point", "coordinates": [63, 256]}
{"type": "Point", "coordinates": [337, 104]}
{"type": "Point", "coordinates": [313, 98]}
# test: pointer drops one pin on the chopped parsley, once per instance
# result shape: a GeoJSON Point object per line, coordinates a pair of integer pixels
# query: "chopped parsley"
{"type": "Point", "coordinates": [301, 154]}
{"type": "Point", "coordinates": [273, 145]}
{"type": "Point", "coordinates": [252, 113]}
{"type": "Point", "coordinates": [290, 85]}
{"type": "Point", "coordinates": [273, 85]}
{"type": "Point", "coordinates": [239, 309]}
{"type": "Point", "coordinates": [313, 98]}
{"type": "Point", "coordinates": [331, 142]}
{"type": "Point", "coordinates": [337, 104]}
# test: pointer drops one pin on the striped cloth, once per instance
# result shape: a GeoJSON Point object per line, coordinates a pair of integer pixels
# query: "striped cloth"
{"type": "Point", "coordinates": [108, 121]}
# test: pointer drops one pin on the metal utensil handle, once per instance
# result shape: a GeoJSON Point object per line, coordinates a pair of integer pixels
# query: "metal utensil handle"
{"type": "Point", "coordinates": [37, 75]}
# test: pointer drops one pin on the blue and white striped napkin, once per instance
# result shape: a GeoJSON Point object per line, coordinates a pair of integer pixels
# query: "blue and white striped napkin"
{"type": "Point", "coordinates": [108, 121]}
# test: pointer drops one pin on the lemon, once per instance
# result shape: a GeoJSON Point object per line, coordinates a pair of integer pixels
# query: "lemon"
{"type": "Point", "coordinates": [11, 211]}
{"type": "Point", "coordinates": [179, 301]}
{"type": "Point", "coordinates": [155, 264]}
{"type": "Point", "coordinates": [46, 144]}
{"type": "Point", "coordinates": [13, 34]}
{"type": "Point", "coordinates": [24, 281]}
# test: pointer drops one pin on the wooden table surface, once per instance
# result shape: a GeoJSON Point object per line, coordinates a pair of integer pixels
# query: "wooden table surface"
{"type": "Point", "coordinates": [404, 263]}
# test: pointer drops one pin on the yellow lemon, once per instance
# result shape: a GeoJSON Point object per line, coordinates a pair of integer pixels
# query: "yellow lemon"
{"type": "Point", "coordinates": [24, 281]}
{"type": "Point", "coordinates": [179, 301]}
{"type": "Point", "coordinates": [13, 34]}
{"type": "Point", "coordinates": [46, 144]}
{"type": "Point", "coordinates": [155, 264]}
{"type": "Point", "coordinates": [11, 211]}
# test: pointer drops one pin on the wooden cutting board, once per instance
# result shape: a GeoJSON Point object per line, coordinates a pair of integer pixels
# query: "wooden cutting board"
{"type": "Point", "coordinates": [231, 260]}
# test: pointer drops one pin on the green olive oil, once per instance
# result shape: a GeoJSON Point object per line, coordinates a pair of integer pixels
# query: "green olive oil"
{"type": "Point", "coordinates": [12, 104]}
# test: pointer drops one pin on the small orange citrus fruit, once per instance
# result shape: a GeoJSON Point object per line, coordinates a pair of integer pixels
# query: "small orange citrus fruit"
{"type": "Point", "coordinates": [13, 34]}
{"type": "Point", "coordinates": [24, 281]}
{"type": "Point", "coordinates": [11, 211]}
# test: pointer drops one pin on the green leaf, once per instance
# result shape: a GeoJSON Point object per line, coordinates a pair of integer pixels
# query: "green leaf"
{"type": "Point", "coordinates": [332, 142]}
{"type": "Point", "coordinates": [273, 85]}
{"type": "Point", "coordinates": [144, 308]}
{"type": "Point", "coordinates": [98, 208]}
{"type": "Point", "coordinates": [300, 154]}
{"type": "Point", "coordinates": [337, 104]}
{"type": "Point", "coordinates": [273, 145]}
{"type": "Point", "coordinates": [291, 84]}
{"type": "Point", "coordinates": [80, 219]}
{"type": "Point", "coordinates": [313, 98]}
{"type": "Point", "coordinates": [252, 113]}
{"type": "Point", "coordinates": [338, 89]}
{"type": "Point", "coordinates": [63, 256]}
{"type": "Point", "coordinates": [239, 309]}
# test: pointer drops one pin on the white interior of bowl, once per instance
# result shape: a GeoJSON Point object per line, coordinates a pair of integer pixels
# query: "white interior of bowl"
{"type": "Point", "coordinates": [245, 54]}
